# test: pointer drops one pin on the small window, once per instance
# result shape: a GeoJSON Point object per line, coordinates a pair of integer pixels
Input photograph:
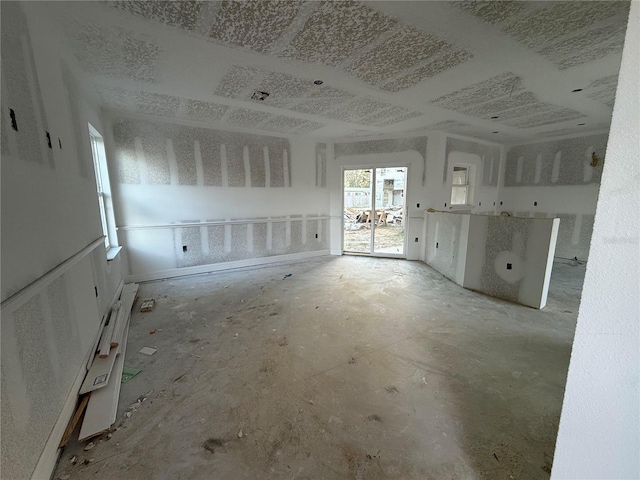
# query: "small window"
{"type": "Point", "coordinates": [104, 192]}
{"type": "Point", "coordinates": [460, 186]}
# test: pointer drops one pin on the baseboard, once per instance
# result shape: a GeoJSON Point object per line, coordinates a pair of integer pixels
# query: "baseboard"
{"type": "Point", "coordinates": [217, 267]}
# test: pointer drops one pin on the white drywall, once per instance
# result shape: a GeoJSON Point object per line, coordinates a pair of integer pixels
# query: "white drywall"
{"type": "Point", "coordinates": [505, 257]}
{"type": "Point", "coordinates": [446, 244]}
{"type": "Point", "coordinates": [449, 150]}
{"type": "Point", "coordinates": [49, 213]}
{"type": "Point", "coordinates": [599, 435]}
{"type": "Point", "coordinates": [556, 178]}
{"type": "Point", "coordinates": [263, 202]}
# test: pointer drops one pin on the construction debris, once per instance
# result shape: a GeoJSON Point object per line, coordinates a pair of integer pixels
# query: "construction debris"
{"type": "Point", "coordinates": [148, 350]}
{"type": "Point", "coordinates": [355, 219]}
{"type": "Point", "coordinates": [74, 421]}
{"type": "Point", "coordinates": [104, 390]}
{"type": "Point", "coordinates": [128, 373]}
{"type": "Point", "coordinates": [147, 305]}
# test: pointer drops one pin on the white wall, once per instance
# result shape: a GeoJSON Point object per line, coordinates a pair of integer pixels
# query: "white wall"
{"type": "Point", "coordinates": [486, 157]}
{"type": "Point", "coordinates": [555, 178]}
{"type": "Point", "coordinates": [446, 243]}
{"type": "Point", "coordinates": [505, 257]}
{"type": "Point", "coordinates": [599, 435]}
{"type": "Point", "coordinates": [49, 214]}
{"type": "Point", "coordinates": [254, 200]}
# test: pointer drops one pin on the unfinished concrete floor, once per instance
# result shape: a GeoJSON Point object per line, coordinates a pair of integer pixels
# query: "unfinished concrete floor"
{"type": "Point", "coordinates": [351, 368]}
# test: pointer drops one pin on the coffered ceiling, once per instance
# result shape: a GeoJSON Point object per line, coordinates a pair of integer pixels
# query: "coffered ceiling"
{"type": "Point", "coordinates": [501, 70]}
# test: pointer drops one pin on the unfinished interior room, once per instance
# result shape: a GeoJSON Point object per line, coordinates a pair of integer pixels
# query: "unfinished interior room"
{"type": "Point", "coordinates": [320, 240]}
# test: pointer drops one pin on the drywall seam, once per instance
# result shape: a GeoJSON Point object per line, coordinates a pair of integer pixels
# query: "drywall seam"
{"type": "Point", "coordinates": [267, 167]}
{"type": "Point", "coordinates": [20, 297]}
{"type": "Point", "coordinates": [180, 272]}
{"type": "Point", "coordinates": [199, 167]}
{"type": "Point", "coordinates": [221, 222]}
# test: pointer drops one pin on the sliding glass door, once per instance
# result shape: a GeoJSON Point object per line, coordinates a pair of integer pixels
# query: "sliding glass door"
{"type": "Point", "coordinates": [374, 211]}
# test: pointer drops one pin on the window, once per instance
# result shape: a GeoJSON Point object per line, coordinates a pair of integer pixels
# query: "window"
{"type": "Point", "coordinates": [460, 187]}
{"type": "Point", "coordinates": [104, 193]}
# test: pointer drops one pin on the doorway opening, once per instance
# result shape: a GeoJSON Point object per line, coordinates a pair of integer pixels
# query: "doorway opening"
{"type": "Point", "coordinates": [374, 211]}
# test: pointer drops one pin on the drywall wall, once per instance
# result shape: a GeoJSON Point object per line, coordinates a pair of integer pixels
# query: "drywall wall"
{"type": "Point", "coordinates": [556, 179]}
{"type": "Point", "coordinates": [446, 244]}
{"type": "Point", "coordinates": [599, 434]}
{"type": "Point", "coordinates": [505, 257]}
{"type": "Point", "coordinates": [49, 214]}
{"type": "Point", "coordinates": [486, 160]}
{"type": "Point", "coordinates": [511, 257]}
{"type": "Point", "coordinates": [189, 196]}
{"type": "Point", "coordinates": [401, 152]}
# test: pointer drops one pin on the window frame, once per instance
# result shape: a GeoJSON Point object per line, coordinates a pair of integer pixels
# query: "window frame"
{"type": "Point", "coordinates": [469, 185]}
{"type": "Point", "coordinates": [103, 192]}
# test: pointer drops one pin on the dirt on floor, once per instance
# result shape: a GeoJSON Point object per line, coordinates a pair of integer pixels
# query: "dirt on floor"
{"type": "Point", "coordinates": [336, 368]}
{"type": "Point", "coordinates": [386, 236]}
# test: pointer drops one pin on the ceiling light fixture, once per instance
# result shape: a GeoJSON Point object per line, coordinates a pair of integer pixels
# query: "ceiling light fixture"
{"type": "Point", "coordinates": [318, 82]}
{"type": "Point", "coordinates": [260, 96]}
{"type": "Point", "coordinates": [577, 90]}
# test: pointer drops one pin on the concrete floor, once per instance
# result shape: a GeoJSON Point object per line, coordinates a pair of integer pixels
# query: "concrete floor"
{"type": "Point", "coordinates": [351, 368]}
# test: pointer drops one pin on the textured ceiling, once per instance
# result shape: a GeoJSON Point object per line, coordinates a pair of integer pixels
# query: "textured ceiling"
{"type": "Point", "coordinates": [567, 33]}
{"type": "Point", "coordinates": [507, 101]}
{"type": "Point", "coordinates": [388, 67]}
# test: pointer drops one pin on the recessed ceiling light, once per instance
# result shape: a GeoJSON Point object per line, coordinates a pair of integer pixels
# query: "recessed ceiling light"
{"type": "Point", "coordinates": [577, 90]}
{"type": "Point", "coordinates": [580, 124]}
{"type": "Point", "coordinates": [260, 96]}
{"type": "Point", "coordinates": [318, 82]}
{"type": "Point", "coordinates": [494, 117]}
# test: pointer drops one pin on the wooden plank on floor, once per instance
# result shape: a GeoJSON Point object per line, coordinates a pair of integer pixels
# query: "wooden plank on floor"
{"type": "Point", "coordinates": [102, 408]}
{"type": "Point", "coordinates": [126, 300]}
{"type": "Point", "coordinates": [105, 341]}
{"type": "Point", "coordinates": [96, 342]}
{"type": "Point", "coordinates": [100, 373]}
{"type": "Point", "coordinates": [74, 421]}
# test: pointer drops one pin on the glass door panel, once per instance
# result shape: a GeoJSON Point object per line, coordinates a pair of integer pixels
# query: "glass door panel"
{"type": "Point", "coordinates": [358, 195]}
{"type": "Point", "coordinates": [390, 211]}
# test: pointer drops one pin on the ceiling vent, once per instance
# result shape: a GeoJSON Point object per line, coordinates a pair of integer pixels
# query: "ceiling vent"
{"type": "Point", "coordinates": [260, 96]}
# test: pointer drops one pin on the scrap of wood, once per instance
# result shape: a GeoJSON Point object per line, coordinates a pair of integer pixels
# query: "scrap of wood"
{"type": "Point", "coordinates": [115, 312]}
{"type": "Point", "coordinates": [147, 305]}
{"type": "Point", "coordinates": [74, 421]}
{"type": "Point", "coordinates": [102, 408]}
{"type": "Point", "coordinates": [126, 299]}
{"type": "Point", "coordinates": [96, 342]}
{"type": "Point", "coordinates": [105, 341]}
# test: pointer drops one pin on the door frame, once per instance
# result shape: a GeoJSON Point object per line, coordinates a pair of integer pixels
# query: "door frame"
{"type": "Point", "coordinates": [405, 216]}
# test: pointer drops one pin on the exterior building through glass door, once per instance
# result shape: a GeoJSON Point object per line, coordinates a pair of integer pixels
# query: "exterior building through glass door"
{"type": "Point", "coordinates": [390, 211]}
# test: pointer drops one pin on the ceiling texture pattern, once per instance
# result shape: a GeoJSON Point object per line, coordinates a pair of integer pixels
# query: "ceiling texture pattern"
{"type": "Point", "coordinates": [500, 70]}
